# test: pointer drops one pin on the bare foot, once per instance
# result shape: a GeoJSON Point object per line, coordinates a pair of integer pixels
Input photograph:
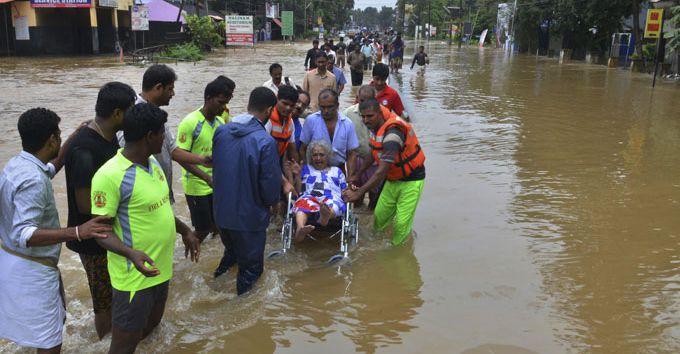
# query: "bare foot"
{"type": "Point", "coordinates": [325, 215]}
{"type": "Point", "coordinates": [302, 232]}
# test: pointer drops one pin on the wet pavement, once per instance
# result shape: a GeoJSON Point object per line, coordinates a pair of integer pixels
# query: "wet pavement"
{"type": "Point", "coordinates": [549, 221]}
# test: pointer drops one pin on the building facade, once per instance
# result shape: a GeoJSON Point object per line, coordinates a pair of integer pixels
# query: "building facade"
{"type": "Point", "coordinates": [64, 27]}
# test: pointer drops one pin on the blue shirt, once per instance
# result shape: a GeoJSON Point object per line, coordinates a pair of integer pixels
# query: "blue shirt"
{"type": "Point", "coordinates": [298, 130]}
{"type": "Point", "coordinates": [339, 76]}
{"type": "Point", "coordinates": [27, 204]}
{"type": "Point", "coordinates": [344, 137]}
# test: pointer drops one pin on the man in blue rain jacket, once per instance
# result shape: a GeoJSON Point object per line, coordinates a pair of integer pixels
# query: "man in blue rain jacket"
{"type": "Point", "coordinates": [247, 182]}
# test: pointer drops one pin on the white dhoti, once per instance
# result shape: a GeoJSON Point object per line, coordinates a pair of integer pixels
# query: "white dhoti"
{"type": "Point", "coordinates": [31, 310]}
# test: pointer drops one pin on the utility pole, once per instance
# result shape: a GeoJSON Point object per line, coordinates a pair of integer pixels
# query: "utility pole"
{"type": "Point", "coordinates": [461, 29]}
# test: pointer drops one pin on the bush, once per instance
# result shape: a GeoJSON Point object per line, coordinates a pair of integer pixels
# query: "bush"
{"type": "Point", "coordinates": [649, 51]}
{"type": "Point", "coordinates": [203, 32]}
{"type": "Point", "coordinates": [187, 51]}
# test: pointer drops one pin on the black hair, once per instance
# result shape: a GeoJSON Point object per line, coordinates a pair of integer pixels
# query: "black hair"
{"type": "Point", "coordinates": [36, 126]}
{"type": "Point", "coordinates": [274, 66]}
{"type": "Point", "coordinates": [158, 74]}
{"type": "Point", "coordinates": [421, 47]}
{"type": "Point", "coordinates": [219, 86]}
{"type": "Point", "coordinates": [331, 92]}
{"type": "Point", "coordinates": [260, 99]}
{"type": "Point", "coordinates": [331, 58]}
{"type": "Point", "coordinates": [288, 93]}
{"type": "Point", "coordinates": [229, 82]}
{"type": "Point", "coordinates": [381, 70]}
{"type": "Point", "coordinates": [371, 103]}
{"type": "Point", "coordinates": [112, 96]}
{"type": "Point", "coordinates": [322, 55]}
{"type": "Point", "coordinates": [315, 41]}
{"type": "Point", "coordinates": [141, 119]}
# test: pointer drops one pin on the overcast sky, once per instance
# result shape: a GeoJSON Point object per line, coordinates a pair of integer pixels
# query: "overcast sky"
{"type": "Point", "coordinates": [362, 4]}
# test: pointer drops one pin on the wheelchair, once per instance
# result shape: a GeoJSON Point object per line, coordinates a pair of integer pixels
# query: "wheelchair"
{"type": "Point", "coordinates": [348, 225]}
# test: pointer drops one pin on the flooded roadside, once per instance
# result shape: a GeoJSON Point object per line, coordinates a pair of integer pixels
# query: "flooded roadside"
{"type": "Point", "coordinates": [548, 222]}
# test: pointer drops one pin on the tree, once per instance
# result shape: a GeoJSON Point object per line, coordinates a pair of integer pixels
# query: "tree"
{"type": "Point", "coordinates": [674, 42]}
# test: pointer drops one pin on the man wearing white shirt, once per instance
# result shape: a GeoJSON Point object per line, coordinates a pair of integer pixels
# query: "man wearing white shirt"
{"type": "Point", "coordinates": [276, 72]}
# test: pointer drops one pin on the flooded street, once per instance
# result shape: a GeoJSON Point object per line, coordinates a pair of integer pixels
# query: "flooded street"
{"type": "Point", "coordinates": [550, 220]}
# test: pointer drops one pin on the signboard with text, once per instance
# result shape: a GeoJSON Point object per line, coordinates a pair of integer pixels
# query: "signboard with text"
{"type": "Point", "coordinates": [108, 3]}
{"type": "Point", "coordinates": [140, 18]}
{"type": "Point", "coordinates": [271, 10]}
{"type": "Point", "coordinates": [61, 3]}
{"type": "Point", "coordinates": [654, 22]}
{"type": "Point", "coordinates": [21, 28]}
{"type": "Point", "coordinates": [239, 30]}
{"type": "Point", "coordinates": [287, 22]}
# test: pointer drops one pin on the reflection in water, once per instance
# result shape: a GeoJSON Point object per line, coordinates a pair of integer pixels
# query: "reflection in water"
{"type": "Point", "coordinates": [598, 191]}
{"type": "Point", "coordinates": [323, 303]}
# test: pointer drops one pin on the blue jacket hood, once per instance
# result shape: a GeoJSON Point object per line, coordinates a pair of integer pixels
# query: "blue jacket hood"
{"type": "Point", "coordinates": [247, 125]}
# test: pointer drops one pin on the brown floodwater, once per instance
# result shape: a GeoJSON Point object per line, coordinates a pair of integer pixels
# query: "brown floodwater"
{"type": "Point", "coordinates": [549, 221]}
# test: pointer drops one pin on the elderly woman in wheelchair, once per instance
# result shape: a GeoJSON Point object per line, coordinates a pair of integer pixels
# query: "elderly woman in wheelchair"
{"type": "Point", "coordinates": [320, 187]}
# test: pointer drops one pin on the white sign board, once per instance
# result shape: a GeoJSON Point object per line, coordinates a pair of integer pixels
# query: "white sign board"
{"type": "Point", "coordinates": [140, 18]}
{"type": "Point", "coordinates": [239, 30]}
{"type": "Point", "coordinates": [21, 28]}
{"type": "Point", "coordinates": [108, 3]}
{"type": "Point", "coordinates": [271, 10]}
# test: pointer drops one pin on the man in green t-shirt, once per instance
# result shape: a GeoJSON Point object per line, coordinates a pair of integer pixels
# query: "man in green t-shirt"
{"type": "Point", "coordinates": [195, 135]}
{"type": "Point", "coordinates": [132, 189]}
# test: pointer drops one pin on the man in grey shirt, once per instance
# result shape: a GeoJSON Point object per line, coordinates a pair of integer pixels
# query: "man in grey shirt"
{"type": "Point", "coordinates": [158, 88]}
{"type": "Point", "coordinates": [31, 301]}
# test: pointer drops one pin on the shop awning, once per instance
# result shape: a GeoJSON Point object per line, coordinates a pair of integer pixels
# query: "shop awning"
{"type": "Point", "coordinates": [162, 11]}
{"type": "Point", "coordinates": [277, 21]}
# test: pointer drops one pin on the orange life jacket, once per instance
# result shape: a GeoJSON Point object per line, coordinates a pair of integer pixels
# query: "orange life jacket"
{"type": "Point", "coordinates": [281, 131]}
{"type": "Point", "coordinates": [411, 155]}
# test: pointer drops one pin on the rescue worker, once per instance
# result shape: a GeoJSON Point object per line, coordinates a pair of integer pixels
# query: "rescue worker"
{"type": "Point", "coordinates": [280, 124]}
{"type": "Point", "coordinates": [401, 161]}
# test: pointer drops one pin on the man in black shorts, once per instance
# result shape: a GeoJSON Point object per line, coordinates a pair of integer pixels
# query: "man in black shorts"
{"type": "Point", "coordinates": [89, 149]}
{"type": "Point", "coordinates": [195, 135]}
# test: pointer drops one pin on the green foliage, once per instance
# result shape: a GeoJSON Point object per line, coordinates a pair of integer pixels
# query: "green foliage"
{"type": "Point", "coordinates": [583, 25]}
{"type": "Point", "coordinates": [674, 42]}
{"type": "Point", "coordinates": [187, 52]}
{"type": "Point", "coordinates": [372, 18]}
{"type": "Point", "coordinates": [649, 51]}
{"type": "Point", "coordinates": [203, 32]}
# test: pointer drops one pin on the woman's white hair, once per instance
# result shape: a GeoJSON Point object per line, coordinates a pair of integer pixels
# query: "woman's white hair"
{"type": "Point", "coordinates": [322, 144]}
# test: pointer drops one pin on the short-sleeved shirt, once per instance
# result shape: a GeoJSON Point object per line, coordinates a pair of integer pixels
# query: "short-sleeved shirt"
{"type": "Point", "coordinates": [87, 152]}
{"type": "Point", "coordinates": [361, 130]}
{"type": "Point", "coordinates": [341, 48]}
{"type": "Point", "coordinates": [393, 143]}
{"type": "Point", "coordinates": [356, 61]}
{"type": "Point", "coordinates": [339, 76]}
{"type": "Point", "coordinates": [314, 83]}
{"type": "Point", "coordinates": [389, 98]}
{"type": "Point", "coordinates": [165, 156]}
{"type": "Point", "coordinates": [344, 137]}
{"type": "Point", "coordinates": [367, 50]}
{"type": "Point", "coordinates": [195, 134]}
{"type": "Point", "coordinates": [138, 200]}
